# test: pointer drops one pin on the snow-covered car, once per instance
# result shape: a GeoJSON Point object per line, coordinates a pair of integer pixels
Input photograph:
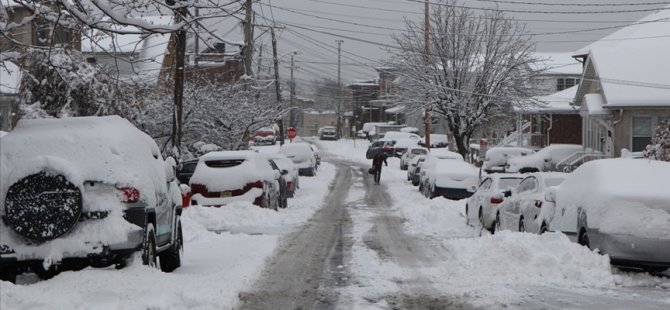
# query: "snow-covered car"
{"type": "Point", "coordinates": [401, 145]}
{"type": "Point", "coordinates": [397, 135]}
{"type": "Point", "coordinates": [265, 136]}
{"type": "Point", "coordinates": [620, 207]}
{"type": "Point", "coordinates": [85, 191]}
{"type": "Point", "coordinates": [527, 209]}
{"type": "Point", "coordinates": [436, 141]}
{"type": "Point", "coordinates": [302, 156]}
{"type": "Point", "coordinates": [449, 177]}
{"type": "Point", "coordinates": [496, 158]}
{"type": "Point", "coordinates": [328, 133]}
{"type": "Point", "coordinates": [543, 160]}
{"type": "Point", "coordinates": [221, 178]}
{"type": "Point", "coordinates": [409, 154]}
{"type": "Point", "coordinates": [482, 206]}
{"type": "Point", "coordinates": [361, 134]}
{"type": "Point", "coordinates": [288, 170]}
{"type": "Point", "coordinates": [414, 169]}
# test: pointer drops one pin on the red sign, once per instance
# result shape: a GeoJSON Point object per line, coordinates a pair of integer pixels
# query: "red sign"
{"type": "Point", "coordinates": [291, 133]}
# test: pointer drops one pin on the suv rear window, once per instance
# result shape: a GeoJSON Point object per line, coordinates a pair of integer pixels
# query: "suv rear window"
{"type": "Point", "coordinates": [224, 163]}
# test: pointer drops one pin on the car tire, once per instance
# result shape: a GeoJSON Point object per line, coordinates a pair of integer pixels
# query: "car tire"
{"type": "Point", "coordinates": [498, 223]}
{"type": "Point", "coordinates": [480, 216]}
{"type": "Point", "coordinates": [583, 238]}
{"type": "Point", "coordinates": [543, 228]}
{"type": "Point", "coordinates": [522, 226]}
{"type": "Point", "coordinates": [9, 276]}
{"type": "Point", "coordinates": [171, 259]}
{"type": "Point", "coordinates": [149, 257]}
{"type": "Point", "coordinates": [45, 274]}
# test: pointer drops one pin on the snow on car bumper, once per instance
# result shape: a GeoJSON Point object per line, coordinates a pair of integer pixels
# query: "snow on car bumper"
{"type": "Point", "coordinates": [625, 249]}
{"type": "Point", "coordinates": [249, 196]}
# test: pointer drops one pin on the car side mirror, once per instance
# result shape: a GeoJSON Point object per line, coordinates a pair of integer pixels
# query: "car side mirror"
{"type": "Point", "coordinates": [547, 158]}
{"type": "Point", "coordinates": [472, 188]}
{"type": "Point", "coordinates": [284, 172]}
{"type": "Point", "coordinates": [508, 193]}
{"type": "Point", "coordinates": [170, 166]}
{"type": "Point", "coordinates": [550, 195]}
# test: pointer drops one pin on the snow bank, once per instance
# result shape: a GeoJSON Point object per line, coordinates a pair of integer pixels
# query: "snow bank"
{"type": "Point", "coordinates": [511, 258]}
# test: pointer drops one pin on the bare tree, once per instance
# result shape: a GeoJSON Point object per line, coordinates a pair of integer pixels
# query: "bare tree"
{"type": "Point", "coordinates": [476, 67]}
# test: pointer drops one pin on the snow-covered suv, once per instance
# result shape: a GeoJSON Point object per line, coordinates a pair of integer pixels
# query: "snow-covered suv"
{"type": "Point", "coordinates": [85, 191]}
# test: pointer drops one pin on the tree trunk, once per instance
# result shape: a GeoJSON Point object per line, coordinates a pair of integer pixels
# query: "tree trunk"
{"type": "Point", "coordinates": [461, 140]}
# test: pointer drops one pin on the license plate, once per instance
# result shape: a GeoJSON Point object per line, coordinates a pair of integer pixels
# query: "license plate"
{"type": "Point", "coordinates": [226, 194]}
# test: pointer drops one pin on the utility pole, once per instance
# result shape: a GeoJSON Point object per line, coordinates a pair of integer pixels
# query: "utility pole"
{"type": "Point", "coordinates": [339, 88]}
{"type": "Point", "coordinates": [196, 43]}
{"type": "Point", "coordinates": [426, 60]}
{"type": "Point", "coordinates": [248, 40]}
{"type": "Point", "coordinates": [180, 54]}
{"type": "Point", "coordinates": [291, 116]}
{"type": "Point", "coordinates": [275, 61]}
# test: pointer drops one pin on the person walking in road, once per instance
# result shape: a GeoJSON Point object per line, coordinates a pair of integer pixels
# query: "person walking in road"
{"type": "Point", "coordinates": [377, 161]}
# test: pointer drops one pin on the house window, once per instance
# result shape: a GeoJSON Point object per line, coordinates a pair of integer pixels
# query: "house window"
{"type": "Point", "coordinates": [641, 133]}
{"type": "Point", "coordinates": [563, 83]}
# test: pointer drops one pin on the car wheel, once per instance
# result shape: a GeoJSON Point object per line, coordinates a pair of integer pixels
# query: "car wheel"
{"type": "Point", "coordinates": [171, 259]}
{"type": "Point", "coordinates": [149, 247]}
{"type": "Point", "coordinates": [498, 223]}
{"type": "Point", "coordinates": [480, 216]}
{"type": "Point", "coordinates": [45, 274]}
{"type": "Point", "coordinates": [543, 228]}
{"type": "Point", "coordinates": [584, 238]}
{"type": "Point", "coordinates": [522, 227]}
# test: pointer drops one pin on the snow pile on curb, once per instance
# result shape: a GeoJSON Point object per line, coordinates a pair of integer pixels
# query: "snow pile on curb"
{"type": "Point", "coordinates": [512, 258]}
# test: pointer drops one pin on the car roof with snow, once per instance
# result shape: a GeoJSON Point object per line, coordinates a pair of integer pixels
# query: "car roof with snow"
{"type": "Point", "coordinates": [108, 149]}
{"type": "Point", "coordinates": [444, 154]}
{"type": "Point", "coordinates": [227, 170]}
{"type": "Point", "coordinates": [618, 179]}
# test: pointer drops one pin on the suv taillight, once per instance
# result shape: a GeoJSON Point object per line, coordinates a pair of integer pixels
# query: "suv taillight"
{"type": "Point", "coordinates": [130, 194]}
{"type": "Point", "coordinates": [257, 184]}
{"type": "Point", "coordinates": [496, 200]}
{"type": "Point", "coordinates": [198, 189]}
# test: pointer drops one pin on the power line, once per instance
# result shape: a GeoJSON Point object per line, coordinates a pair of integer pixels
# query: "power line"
{"type": "Point", "coordinates": [543, 12]}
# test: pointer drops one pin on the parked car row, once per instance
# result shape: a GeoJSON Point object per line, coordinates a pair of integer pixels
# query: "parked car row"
{"type": "Point", "coordinates": [621, 207]}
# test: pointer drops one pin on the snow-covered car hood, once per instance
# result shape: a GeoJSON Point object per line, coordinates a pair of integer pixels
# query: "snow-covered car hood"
{"type": "Point", "coordinates": [105, 149]}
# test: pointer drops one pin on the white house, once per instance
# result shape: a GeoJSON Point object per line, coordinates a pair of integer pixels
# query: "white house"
{"type": "Point", "coordinates": [625, 87]}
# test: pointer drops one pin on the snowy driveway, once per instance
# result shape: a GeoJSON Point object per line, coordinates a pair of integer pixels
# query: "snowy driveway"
{"type": "Point", "coordinates": [345, 243]}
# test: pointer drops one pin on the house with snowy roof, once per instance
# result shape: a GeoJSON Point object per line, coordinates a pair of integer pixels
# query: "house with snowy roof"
{"type": "Point", "coordinates": [625, 89]}
{"type": "Point", "coordinates": [549, 118]}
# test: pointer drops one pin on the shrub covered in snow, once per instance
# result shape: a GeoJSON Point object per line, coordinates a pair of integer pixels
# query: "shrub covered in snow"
{"type": "Point", "coordinates": [659, 148]}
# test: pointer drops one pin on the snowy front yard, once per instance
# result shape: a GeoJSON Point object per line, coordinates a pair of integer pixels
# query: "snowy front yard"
{"type": "Point", "coordinates": [226, 250]}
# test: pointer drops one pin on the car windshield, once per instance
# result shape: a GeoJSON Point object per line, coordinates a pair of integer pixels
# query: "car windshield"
{"type": "Point", "coordinates": [553, 181]}
{"type": "Point", "coordinates": [507, 183]}
{"type": "Point", "coordinates": [189, 167]}
{"type": "Point", "coordinates": [419, 152]}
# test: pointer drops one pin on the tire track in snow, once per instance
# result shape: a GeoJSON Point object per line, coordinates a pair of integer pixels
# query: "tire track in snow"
{"type": "Point", "coordinates": [309, 265]}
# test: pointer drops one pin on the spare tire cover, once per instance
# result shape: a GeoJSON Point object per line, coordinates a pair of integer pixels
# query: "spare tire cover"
{"type": "Point", "coordinates": [42, 206]}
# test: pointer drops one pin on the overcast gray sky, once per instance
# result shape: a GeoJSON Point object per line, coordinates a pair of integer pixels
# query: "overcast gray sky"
{"type": "Point", "coordinates": [313, 26]}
